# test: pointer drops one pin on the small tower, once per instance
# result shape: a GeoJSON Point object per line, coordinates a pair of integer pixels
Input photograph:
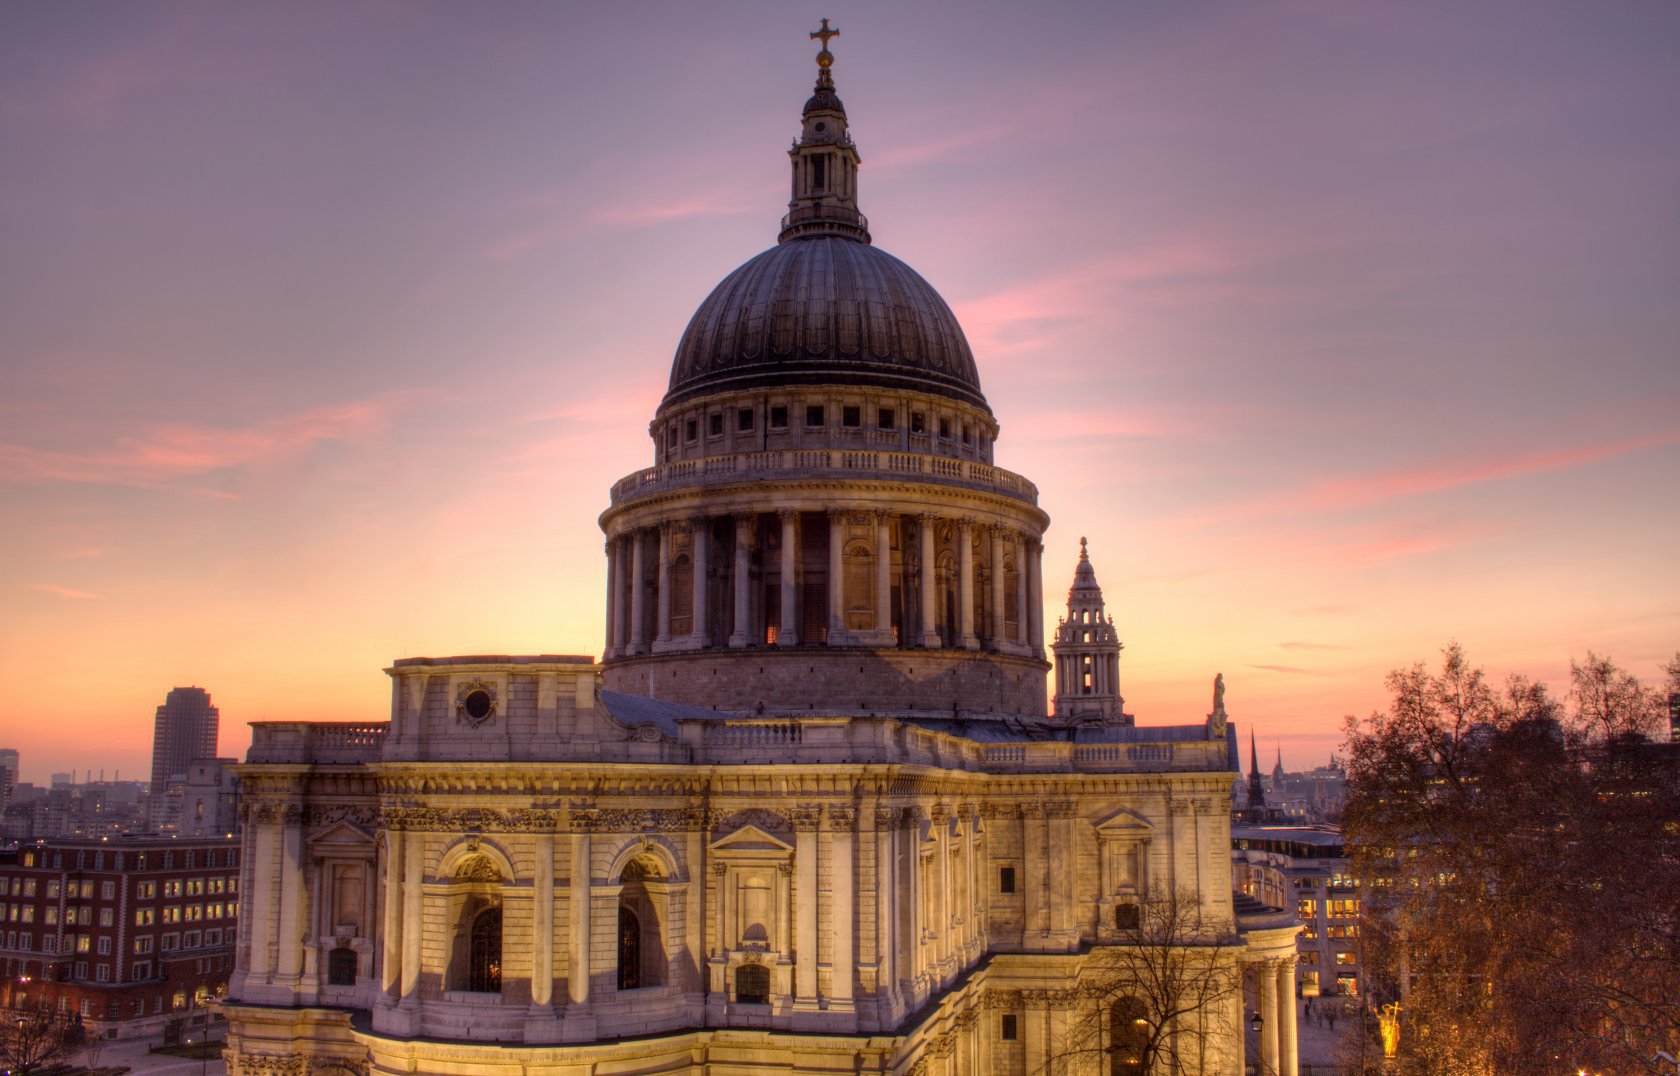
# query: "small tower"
{"type": "Point", "coordinates": [1256, 791]}
{"type": "Point", "coordinates": [825, 162]}
{"type": "Point", "coordinates": [1277, 770]}
{"type": "Point", "coordinates": [1087, 651]}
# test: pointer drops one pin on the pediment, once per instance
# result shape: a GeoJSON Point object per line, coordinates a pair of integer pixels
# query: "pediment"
{"type": "Point", "coordinates": [345, 835]}
{"type": "Point", "coordinates": [1125, 823]}
{"type": "Point", "coordinates": [749, 839]}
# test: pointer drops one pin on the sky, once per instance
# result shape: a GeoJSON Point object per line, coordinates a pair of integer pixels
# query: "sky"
{"type": "Point", "coordinates": [1341, 330]}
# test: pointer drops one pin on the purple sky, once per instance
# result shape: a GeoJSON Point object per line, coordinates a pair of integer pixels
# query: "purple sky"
{"type": "Point", "coordinates": [1341, 330]}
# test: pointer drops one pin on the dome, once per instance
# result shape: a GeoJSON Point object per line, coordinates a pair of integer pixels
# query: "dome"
{"type": "Point", "coordinates": [824, 309]}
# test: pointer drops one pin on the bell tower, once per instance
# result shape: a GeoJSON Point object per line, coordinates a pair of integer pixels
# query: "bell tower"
{"type": "Point", "coordinates": [1087, 651]}
{"type": "Point", "coordinates": [825, 162]}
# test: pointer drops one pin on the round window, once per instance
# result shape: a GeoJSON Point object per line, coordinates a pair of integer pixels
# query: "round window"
{"type": "Point", "coordinates": [477, 704]}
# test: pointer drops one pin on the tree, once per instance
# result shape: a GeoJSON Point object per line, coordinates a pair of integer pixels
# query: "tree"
{"type": "Point", "coordinates": [1520, 862]}
{"type": "Point", "coordinates": [1153, 998]}
{"type": "Point", "coordinates": [36, 1036]}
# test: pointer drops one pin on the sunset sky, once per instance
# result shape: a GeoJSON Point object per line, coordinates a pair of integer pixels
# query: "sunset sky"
{"type": "Point", "coordinates": [1342, 330]}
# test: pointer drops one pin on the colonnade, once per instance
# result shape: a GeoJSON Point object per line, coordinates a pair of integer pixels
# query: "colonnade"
{"type": "Point", "coordinates": [641, 582]}
{"type": "Point", "coordinates": [1274, 981]}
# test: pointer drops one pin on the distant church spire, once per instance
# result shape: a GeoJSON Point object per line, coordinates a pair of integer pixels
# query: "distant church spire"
{"type": "Point", "coordinates": [1087, 651]}
{"type": "Point", "coordinates": [825, 162]}
{"type": "Point", "coordinates": [1256, 791]}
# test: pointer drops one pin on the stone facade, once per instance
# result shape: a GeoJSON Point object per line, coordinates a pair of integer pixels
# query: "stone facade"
{"type": "Point", "coordinates": [808, 813]}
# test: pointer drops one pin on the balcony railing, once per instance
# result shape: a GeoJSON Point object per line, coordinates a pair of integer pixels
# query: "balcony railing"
{"type": "Point", "coordinates": [817, 462]}
{"type": "Point", "coordinates": [316, 742]}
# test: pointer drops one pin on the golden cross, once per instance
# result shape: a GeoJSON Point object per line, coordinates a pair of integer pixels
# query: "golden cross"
{"type": "Point", "coordinates": [825, 33]}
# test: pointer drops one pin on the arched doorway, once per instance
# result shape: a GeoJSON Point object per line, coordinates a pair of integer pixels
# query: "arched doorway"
{"type": "Point", "coordinates": [1128, 1037]}
{"type": "Point", "coordinates": [641, 948]}
{"type": "Point", "coordinates": [484, 968]}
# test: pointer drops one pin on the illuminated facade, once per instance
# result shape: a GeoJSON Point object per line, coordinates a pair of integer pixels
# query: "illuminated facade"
{"type": "Point", "coordinates": [808, 812]}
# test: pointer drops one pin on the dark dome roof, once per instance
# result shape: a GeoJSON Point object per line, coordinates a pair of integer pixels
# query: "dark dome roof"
{"type": "Point", "coordinates": [824, 309]}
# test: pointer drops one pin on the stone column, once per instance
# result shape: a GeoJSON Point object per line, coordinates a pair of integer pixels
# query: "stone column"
{"type": "Point", "coordinates": [842, 822]}
{"type": "Point", "coordinates": [414, 867]}
{"type": "Point", "coordinates": [994, 627]}
{"type": "Point", "coordinates": [743, 633]}
{"type": "Point", "coordinates": [621, 622]}
{"type": "Point", "coordinates": [261, 879]}
{"type": "Point", "coordinates": [663, 638]}
{"type": "Point", "coordinates": [883, 577]}
{"type": "Point", "coordinates": [638, 595]}
{"type": "Point", "coordinates": [965, 585]}
{"type": "Point", "coordinates": [542, 924]}
{"type": "Point", "coordinates": [836, 576]}
{"type": "Point", "coordinates": [577, 907]}
{"type": "Point", "coordinates": [1021, 620]}
{"type": "Point", "coordinates": [788, 635]}
{"type": "Point", "coordinates": [1035, 595]}
{"type": "Point", "coordinates": [289, 962]}
{"type": "Point", "coordinates": [930, 582]}
{"type": "Point", "coordinates": [805, 880]}
{"type": "Point", "coordinates": [701, 557]}
{"type": "Point", "coordinates": [1267, 976]}
{"type": "Point", "coordinates": [390, 957]}
{"type": "Point", "coordinates": [1288, 1059]}
{"type": "Point", "coordinates": [886, 912]}
{"type": "Point", "coordinates": [611, 643]}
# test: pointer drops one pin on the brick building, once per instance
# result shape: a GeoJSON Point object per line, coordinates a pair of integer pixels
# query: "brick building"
{"type": "Point", "coordinates": [135, 935]}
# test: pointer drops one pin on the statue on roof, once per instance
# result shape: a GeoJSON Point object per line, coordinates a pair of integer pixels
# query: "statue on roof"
{"type": "Point", "coordinates": [1216, 720]}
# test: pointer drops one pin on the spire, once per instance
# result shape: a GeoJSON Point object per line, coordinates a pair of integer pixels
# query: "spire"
{"type": "Point", "coordinates": [1256, 790]}
{"type": "Point", "coordinates": [825, 162]}
{"type": "Point", "coordinates": [1087, 651]}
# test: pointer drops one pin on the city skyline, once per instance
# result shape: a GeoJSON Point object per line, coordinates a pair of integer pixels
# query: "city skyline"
{"type": "Point", "coordinates": [1340, 334]}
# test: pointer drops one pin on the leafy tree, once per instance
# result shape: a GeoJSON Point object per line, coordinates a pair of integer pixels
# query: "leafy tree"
{"type": "Point", "coordinates": [1152, 1000]}
{"type": "Point", "coordinates": [1520, 861]}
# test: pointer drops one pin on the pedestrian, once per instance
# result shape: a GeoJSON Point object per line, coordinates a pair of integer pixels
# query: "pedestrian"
{"type": "Point", "coordinates": [1332, 1021]}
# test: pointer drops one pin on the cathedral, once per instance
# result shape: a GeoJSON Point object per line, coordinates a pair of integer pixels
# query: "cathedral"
{"type": "Point", "coordinates": [810, 811]}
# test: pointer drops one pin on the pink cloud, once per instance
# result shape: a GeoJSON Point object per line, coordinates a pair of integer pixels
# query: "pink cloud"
{"type": "Point", "coordinates": [1033, 316]}
{"type": "Point", "coordinates": [63, 592]}
{"type": "Point", "coordinates": [180, 450]}
{"type": "Point", "coordinates": [1359, 490]}
{"type": "Point", "coordinates": [1292, 670]}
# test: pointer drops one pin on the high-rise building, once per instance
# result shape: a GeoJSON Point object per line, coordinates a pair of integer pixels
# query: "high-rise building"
{"type": "Point", "coordinates": [8, 775]}
{"type": "Point", "coordinates": [186, 729]}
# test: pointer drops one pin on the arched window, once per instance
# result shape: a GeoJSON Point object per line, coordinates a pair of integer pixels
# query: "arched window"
{"type": "Point", "coordinates": [629, 948]}
{"type": "Point", "coordinates": [484, 969]}
{"type": "Point", "coordinates": [1128, 1037]}
{"type": "Point", "coordinates": [341, 967]}
{"type": "Point", "coordinates": [752, 984]}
